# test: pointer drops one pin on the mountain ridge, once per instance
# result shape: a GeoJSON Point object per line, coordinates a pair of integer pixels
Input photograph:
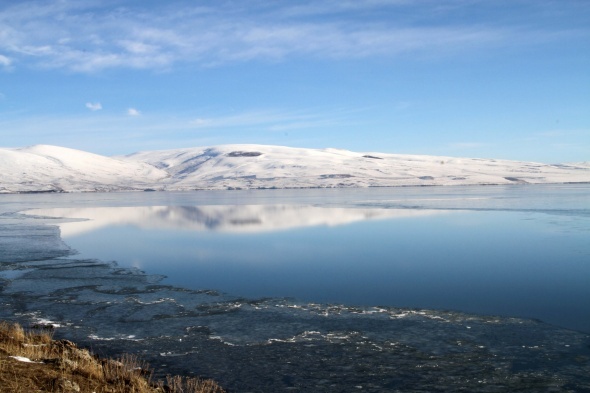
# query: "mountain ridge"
{"type": "Point", "coordinates": [47, 168]}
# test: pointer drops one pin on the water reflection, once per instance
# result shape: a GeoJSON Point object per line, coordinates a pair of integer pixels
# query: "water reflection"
{"type": "Point", "coordinates": [519, 251]}
{"type": "Point", "coordinates": [488, 262]}
{"type": "Point", "coordinates": [220, 218]}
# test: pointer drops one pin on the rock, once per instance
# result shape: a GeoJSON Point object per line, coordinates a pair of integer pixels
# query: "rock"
{"type": "Point", "coordinates": [244, 154]}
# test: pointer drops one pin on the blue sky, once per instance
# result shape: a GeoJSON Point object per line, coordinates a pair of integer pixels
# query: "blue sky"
{"type": "Point", "coordinates": [474, 78]}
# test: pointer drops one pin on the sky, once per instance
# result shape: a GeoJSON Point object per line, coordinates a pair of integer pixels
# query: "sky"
{"type": "Point", "coordinates": [506, 79]}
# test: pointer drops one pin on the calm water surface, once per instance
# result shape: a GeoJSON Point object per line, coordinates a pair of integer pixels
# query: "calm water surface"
{"type": "Point", "coordinates": [524, 252]}
{"type": "Point", "coordinates": [378, 290]}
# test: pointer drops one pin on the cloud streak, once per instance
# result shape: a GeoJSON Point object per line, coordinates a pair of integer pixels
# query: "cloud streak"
{"type": "Point", "coordinates": [5, 61]}
{"type": "Point", "coordinates": [94, 106]}
{"type": "Point", "coordinates": [98, 132]}
{"type": "Point", "coordinates": [268, 121]}
{"type": "Point", "coordinates": [89, 37]}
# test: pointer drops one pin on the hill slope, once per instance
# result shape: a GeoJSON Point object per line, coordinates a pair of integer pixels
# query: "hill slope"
{"type": "Point", "coordinates": [257, 166]}
{"type": "Point", "coordinates": [43, 168]}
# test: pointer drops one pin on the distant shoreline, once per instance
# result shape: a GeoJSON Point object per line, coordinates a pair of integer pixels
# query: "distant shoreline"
{"type": "Point", "coordinates": [286, 188]}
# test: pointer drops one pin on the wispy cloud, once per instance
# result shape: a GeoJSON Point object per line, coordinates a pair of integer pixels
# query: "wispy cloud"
{"type": "Point", "coordinates": [87, 36]}
{"type": "Point", "coordinates": [133, 112]}
{"type": "Point", "coordinates": [328, 7]}
{"type": "Point", "coordinates": [5, 61]}
{"type": "Point", "coordinates": [94, 106]}
{"type": "Point", "coordinates": [268, 120]}
{"type": "Point", "coordinates": [161, 131]}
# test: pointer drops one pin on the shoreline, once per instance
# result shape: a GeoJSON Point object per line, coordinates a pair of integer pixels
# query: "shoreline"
{"type": "Point", "coordinates": [122, 191]}
{"type": "Point", "coordinates": [32, 360]}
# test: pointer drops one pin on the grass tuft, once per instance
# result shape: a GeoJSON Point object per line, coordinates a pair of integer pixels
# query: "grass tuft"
{"type": "Point", "coordinates": [60, 366]}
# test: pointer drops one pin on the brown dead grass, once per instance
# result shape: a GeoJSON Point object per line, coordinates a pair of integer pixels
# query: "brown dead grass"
{"type": "Point", "coordinates": [59, 366]}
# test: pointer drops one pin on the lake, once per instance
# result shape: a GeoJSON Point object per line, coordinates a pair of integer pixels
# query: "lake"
{"type": "Point", "coordinates": [335, 269]}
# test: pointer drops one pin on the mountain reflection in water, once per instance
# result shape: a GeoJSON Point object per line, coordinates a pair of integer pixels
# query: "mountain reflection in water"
{"type": "Point", "coordinates": [489, 262]}
{"type": "Point", "coordinates": [220, 218]}
{"type": "Point", "coordinates": [372, 275]}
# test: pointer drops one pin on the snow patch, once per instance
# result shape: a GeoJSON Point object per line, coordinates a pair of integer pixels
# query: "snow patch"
{"type": "Point", "coordinates": [23, 359]}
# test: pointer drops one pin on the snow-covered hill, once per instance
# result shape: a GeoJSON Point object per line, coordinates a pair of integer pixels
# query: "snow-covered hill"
{"type": "Point", "coordinates": [259, 166]}
{"type": "Point", "coordinates": [51, 168]}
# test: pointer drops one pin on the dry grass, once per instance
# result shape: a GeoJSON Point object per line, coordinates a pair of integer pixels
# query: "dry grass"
{"type": "Point", "coordinates": [58, 366]}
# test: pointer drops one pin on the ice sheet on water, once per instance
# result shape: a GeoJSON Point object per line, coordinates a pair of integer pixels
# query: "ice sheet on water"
{"type": "Point", "coordinates": [12, 274]}
{"type": "Point", "coordinates": [22, 243]}
{"type": "Point", "coordinates": [236, 339]}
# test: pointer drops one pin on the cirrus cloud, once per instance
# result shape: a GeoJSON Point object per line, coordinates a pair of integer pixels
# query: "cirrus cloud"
{"type": "Point", "coordinates": [89, 36]}
{"type": "Point", "coordinates": [5, 61]}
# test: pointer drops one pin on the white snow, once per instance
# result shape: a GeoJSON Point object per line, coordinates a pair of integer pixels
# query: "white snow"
{"type": "Point", "coordinates": [23, 359]}
{"type": "Point", "coordinates": [52, 168]}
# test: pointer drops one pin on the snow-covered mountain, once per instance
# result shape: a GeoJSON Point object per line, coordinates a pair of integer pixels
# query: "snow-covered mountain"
{"type": "Point", "coordinates": [51, 168]}
{"type": "Point", "coordinates": [42, 168]}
